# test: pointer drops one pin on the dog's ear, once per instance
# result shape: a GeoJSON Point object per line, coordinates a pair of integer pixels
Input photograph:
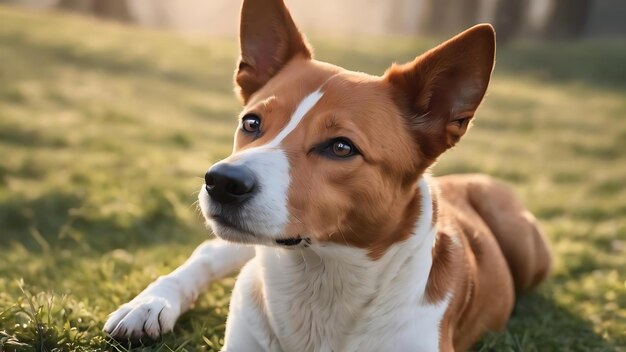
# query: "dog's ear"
{"type": "Point", "coordinates": [268, 39]}
{"type": "Point", "coordinates": [440, 90]}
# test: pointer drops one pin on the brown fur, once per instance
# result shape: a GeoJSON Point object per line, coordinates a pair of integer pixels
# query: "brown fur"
{"type": "Point", "coordinates": [487, 245]}
{"type": "Point", "coordinates": [269, 40]}
{"type": "Point", "coordinates": [503, 251]}
{"type": "Point", "coordinates": [440, 90]}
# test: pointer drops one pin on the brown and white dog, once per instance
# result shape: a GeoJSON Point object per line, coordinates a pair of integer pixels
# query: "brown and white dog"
{"type": "Point", "coordinates": [346, 243]}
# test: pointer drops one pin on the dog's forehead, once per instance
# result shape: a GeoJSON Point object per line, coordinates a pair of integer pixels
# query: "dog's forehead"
{"type": "Point", "coordinates": [310, 101]}
{"type": "Point", "coordinates": [345, 94]}
{"type": "Point", "coordinates": [294, 82]}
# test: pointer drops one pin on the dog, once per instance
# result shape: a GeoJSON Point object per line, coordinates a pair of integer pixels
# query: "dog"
{"type": "Point", "coordinates": [343, 240]}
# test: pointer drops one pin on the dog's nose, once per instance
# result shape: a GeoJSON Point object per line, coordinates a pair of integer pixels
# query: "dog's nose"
{"type": "Point", "coordinates": [228, 183]}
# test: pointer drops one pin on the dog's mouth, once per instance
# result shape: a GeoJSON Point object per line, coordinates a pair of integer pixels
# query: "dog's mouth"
{"type": "Point", "coordinates": [224, 221]}
{"type": "Point", "coordinates": [246, 235]}
{"type": "Point", "coordinates": [289, 242]}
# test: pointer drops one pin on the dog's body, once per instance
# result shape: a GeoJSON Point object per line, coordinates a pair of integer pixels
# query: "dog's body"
{"type": "Point", "coordinates": [351, 246]}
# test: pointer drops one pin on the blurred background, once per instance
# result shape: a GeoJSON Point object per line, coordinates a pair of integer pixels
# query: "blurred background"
{"type": "Point", "coordinates": [112, 110]}
{"type": "Point", "coordinates": [544, 19]}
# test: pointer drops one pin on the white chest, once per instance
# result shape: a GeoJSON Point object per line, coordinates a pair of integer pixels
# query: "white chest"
{"type": "Point", "coordinates": [340, 300]}
{"type": "Point", "coordinates": [410, 327]}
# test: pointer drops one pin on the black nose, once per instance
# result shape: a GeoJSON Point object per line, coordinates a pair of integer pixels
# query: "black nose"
{"type": "Point", "coordinates": [228, 183]}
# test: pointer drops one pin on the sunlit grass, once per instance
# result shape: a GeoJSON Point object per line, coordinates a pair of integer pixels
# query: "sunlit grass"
{"type": "Point", "coordinates": [105, 132]}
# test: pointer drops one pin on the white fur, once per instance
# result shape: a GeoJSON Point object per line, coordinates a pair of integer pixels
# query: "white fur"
{"type": "Point", "coordinates": [267, 212]}
{"type": "Point", "coordinates": [336, 298]}
{"type": "Point", "coordinates": [320, 298]}
{"type": "Point", "coordinates": [305, 105]}
{"type": "Point", "coordinates": [155, 310]}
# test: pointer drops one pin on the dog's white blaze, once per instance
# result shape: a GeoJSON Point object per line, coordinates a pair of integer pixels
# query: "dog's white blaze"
{"type": "Point", "coordinates": [268, 210]}
{"type": "Point", "coordinates": [303, 108]}
{"type": "Point", "coordinates": [267, 213]}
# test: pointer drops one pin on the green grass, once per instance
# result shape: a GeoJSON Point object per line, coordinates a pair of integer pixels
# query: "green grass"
{"type": "Point", "coordinates": [105, 132]}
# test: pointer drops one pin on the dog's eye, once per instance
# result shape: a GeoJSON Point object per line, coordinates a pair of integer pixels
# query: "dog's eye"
{"type": "Point", "coordinates": [342, 148]}
{"type": "Point", "coordinates": [251, 123]}
{"type": "Point", "coordinates": [338, 148]}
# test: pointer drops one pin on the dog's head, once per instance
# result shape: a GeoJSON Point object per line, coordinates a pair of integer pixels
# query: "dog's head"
{"type": "Point", "coordinates": [323, 154]}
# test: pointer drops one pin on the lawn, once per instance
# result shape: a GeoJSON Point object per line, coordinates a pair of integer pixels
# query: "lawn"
{"type": "Point", "coordinates": [106, 131]}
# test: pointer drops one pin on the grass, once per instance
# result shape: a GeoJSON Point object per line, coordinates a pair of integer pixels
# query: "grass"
{"type": "Point", "coordinates": [105, 132]}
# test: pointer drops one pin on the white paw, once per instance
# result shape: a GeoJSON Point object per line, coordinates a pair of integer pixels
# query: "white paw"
{"type": "Point", "coordinates": [147, 315]}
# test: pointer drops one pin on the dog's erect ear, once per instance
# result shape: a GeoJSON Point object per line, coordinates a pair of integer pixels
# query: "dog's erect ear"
{"type": "Point", "coordinates": [441, 89]}
{"type": "Point", "coordinates": [268, 39]}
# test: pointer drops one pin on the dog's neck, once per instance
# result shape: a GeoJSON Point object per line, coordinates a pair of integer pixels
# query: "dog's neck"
{"type": "Point", "coordinates": [308, 288]}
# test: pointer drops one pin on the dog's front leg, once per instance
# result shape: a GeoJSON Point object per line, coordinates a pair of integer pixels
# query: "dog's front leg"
{"type": "Point", "coordinates": [248, 327]}
{"type": "Point", "coordinates": [155, 310]}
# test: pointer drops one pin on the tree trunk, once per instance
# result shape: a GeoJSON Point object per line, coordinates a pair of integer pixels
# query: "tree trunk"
{"type": "Point", "coordinates": [509, 16]}
{"type": "Point", "coordinates": [112, 9]}
{"type": "Point", "coordinates": [568, 19]}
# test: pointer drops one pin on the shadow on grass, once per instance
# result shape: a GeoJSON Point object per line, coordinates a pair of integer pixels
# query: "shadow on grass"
{"type": "Point", "coordinates": [29, 137]}
{"type": "Point", "coordinates": [58, 220]}
{"type": "Point", "coordinates": [540, 324]}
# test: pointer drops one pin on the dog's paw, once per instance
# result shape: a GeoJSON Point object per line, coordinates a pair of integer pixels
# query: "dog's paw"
{"type": "Point", "coordinates": [145, 316]}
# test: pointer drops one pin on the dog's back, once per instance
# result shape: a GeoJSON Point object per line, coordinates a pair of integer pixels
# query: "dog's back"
{"type": "Point", "coordinates": [514, 227]}
{"type": "Point", "coordinates": [505, 252]}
